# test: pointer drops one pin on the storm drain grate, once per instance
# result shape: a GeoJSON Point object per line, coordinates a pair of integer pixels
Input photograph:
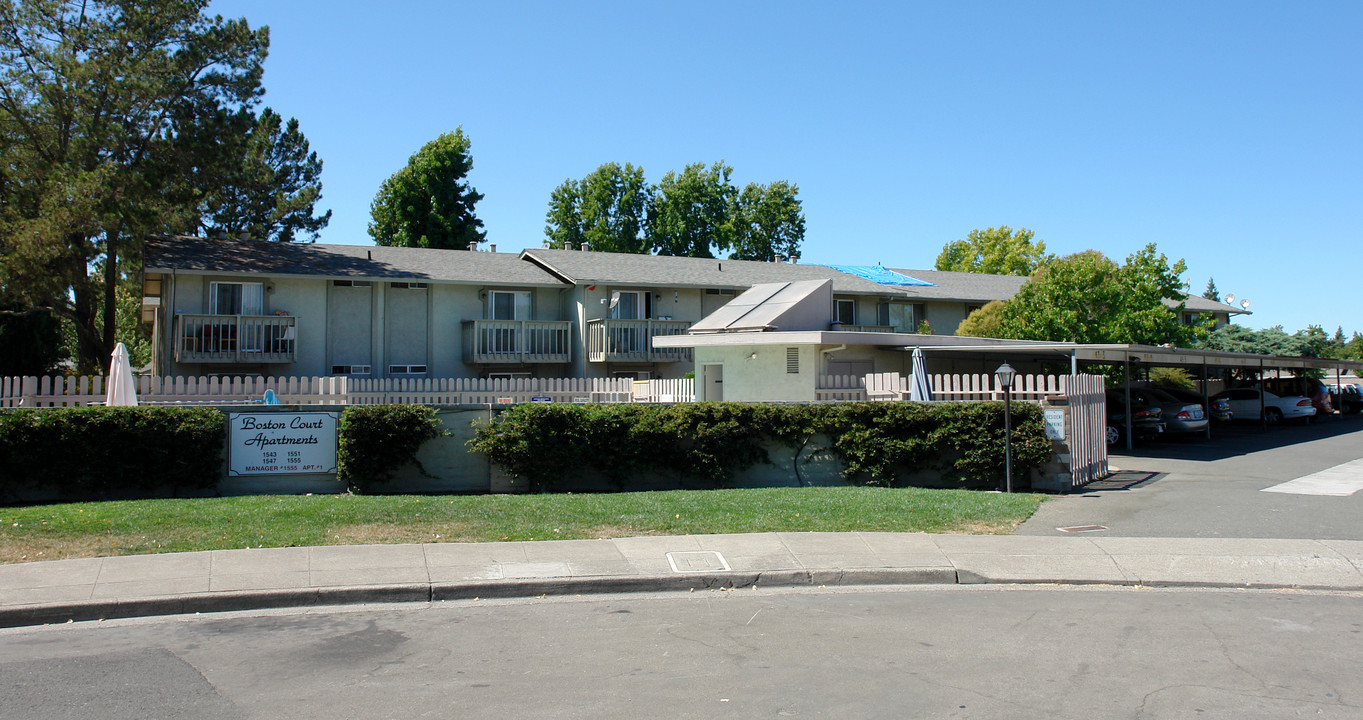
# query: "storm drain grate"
{"type": "Point", "coordinates": [1082, 528]}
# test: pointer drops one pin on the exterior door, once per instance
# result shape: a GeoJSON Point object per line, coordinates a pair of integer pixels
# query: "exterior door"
{"type": "Point", "coordinates": [712, 382]}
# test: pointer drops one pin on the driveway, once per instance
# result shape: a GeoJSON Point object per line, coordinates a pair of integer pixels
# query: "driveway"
{"type": "Point", "coordinates": [1193, 487]}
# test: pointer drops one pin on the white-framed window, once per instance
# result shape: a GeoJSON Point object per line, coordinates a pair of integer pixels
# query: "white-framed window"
{"type": "Point", "coordinates": [629, 305]}
{"type": "Point", "coordinates": [236, 298]}
{"type": "Point", "coordinates": [508, 305]}
{"type": "Point", "coordinates": [846, 311]}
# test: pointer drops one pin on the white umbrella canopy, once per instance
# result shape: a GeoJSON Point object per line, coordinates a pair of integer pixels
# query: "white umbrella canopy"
{"type": "Point", "coordinates": [121, 390]}
{"type": "Point", "coordinates": [919, 389]}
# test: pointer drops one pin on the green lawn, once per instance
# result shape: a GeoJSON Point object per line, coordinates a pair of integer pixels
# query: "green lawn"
{"type": "Point", "coordinates": [49, 532]}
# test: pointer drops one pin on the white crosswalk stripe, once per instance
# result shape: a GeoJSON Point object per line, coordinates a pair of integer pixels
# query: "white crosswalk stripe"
{"type": "Point", "coordinates": [1340, 480]}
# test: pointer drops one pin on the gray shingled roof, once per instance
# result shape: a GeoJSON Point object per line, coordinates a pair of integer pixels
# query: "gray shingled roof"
{"type": "Point", "coordinates": [205, 255]}
{"type": "Point", "coordinates": [981, 288]}
{"type": "Point", "coordinates": [667, 271]}
{"type": "Point", "coordinates": [966, 287]}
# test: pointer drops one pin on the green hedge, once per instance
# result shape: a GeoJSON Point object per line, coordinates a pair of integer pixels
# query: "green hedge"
{"type": "Point", "coordinates": [100, 452]}
{"type": "Point", "coordinates": [374, 441]}
{"type": "Point", "coordinates": [878, 443]}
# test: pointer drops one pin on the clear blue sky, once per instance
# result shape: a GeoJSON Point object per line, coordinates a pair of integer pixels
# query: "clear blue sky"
{"type": "Point", "coordinates": [1226, 132]}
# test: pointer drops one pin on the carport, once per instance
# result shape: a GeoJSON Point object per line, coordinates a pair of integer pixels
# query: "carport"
{"type": "Point", "coordinates": [1138, 356]}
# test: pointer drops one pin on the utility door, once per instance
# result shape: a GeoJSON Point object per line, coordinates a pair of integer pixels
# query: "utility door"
{"type": "Point", "coordinates": [712, 382]}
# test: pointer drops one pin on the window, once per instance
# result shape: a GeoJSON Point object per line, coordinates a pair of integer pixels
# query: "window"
{"type": "Point", "coordinates": [236, 298]}
{"type": "Point", "coordinates": [792, 361]}
{"type": "Point", "coordinates": [351, 283]}
{"type": "Point", "coordinates": [883, 313]}
{"type": "Point", "coordinates": [846, 312]}
{"type": "Point", "coordinates": [718, 291]}
{"type": "Point", "coordinates": [407, 286]}
{"type": "Point", "coordinates": [406, 369]}
{"type": "Point", "coordinates": [349, 369]}
{"type": "Point", "coordinates": [508, 305]}
{"type": "Point", "coordinates": [629, 305]}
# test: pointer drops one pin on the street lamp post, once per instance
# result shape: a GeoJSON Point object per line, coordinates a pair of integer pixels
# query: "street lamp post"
{"type": "Point", "coordinates": [1004, 375]}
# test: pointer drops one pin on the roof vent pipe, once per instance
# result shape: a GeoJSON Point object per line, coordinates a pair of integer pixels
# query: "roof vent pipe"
{"type": "Point", "coordinates": [586, 247]}
{"type": "Point", "coordinates": [473, 246]}
{"type": "Point", "coordinates": [492, 247]}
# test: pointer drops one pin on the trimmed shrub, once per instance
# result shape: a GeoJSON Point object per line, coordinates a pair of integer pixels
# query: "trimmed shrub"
{"type": "Point", "coordinates": [374, 441]}
{"type": "Point", "coordinates": [878, 443]}
{"type": "Point", "coordinates": [99, 452]}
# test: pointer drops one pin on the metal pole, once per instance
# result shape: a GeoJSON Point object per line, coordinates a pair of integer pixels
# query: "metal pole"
{"type": "Point", "coordinates": [1126, 394]}
{"type": "Point", "coordinates": [1206, 399]}
{"type": "Point", "coordinates": [1008, 438]}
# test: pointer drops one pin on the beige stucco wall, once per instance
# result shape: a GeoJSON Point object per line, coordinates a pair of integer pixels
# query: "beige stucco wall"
{"type": "Point", "coordinates": [764, 377]}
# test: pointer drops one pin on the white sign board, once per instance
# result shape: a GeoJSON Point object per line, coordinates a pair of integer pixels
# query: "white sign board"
{"type": "Point", "coordinates": [1055, 424]}
{"type": "Point", "coordinates": [281, 443]}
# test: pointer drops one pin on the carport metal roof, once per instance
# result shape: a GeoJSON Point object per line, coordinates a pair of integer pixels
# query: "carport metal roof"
{"type": "Point", "coordinates": [1115, 354]}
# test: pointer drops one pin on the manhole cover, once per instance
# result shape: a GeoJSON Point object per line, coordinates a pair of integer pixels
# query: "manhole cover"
{"type": "Point", "coordinates": [1082, 528]}
{"type": "Point", "coordinates": [697, 561]}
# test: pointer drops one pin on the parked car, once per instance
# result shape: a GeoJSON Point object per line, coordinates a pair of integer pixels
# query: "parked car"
{"type": "Point", "coordinates": [1146, 420]}
{"type": "Point", "coordinates": [1300, 387]}
{"type": "Point", "coordinates": [1180, 416]}
{"type": "Point", "coordinates": [1349, 399]}
{"type": "Point", "coordinates": [1244, 402]}
{"type": "Point", "coordinates": [1220, 407]}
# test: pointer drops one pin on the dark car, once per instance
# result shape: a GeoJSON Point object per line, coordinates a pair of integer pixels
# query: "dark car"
{"type": "Point", "coordinates": [1349, 399]}
{"type": "Point", "coordinates": [1220, 407]}
{"type": "Point", "coordinates": [1147, 421]}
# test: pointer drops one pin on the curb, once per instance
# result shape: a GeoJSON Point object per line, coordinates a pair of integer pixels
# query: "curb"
{"type": "Point", "coordinates": [231, 601]}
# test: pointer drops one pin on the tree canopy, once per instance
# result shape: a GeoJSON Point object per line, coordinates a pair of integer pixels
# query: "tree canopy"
{"type": "Point", "coordinates": [995, 251]}
{"type": "Point", "coordinates": [691, 213]}
{"type": "Point", "coordinates": [606, 209]}
{"type": "Point", "coordinates": [769, 222]}
{"type": "Point", "coordinates": [270, 182]}
{"type": "Point", "coordinates": [698, 212]}
{"type": "Point", "coordinates": [89, 90]}
{"type": "Point", "coordinates": [429, 203]}
{"type": "Point", "coordinates": [1088, 298]}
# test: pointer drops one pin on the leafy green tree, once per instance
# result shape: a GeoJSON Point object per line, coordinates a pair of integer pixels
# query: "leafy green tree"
{"type": "Point", "coordinates": [87, 92]}
{"type": "Point", "coordinates": [995, 251]}
{"type": "Point", "coordinates": [1088, 298]}
{"type": "Point", "coordinates": [1270, 341]}
{"type": "Point", "coordinates": [606, 209]}
{"type": "Point", "coordinates": [692, 213]}
{"type": "Point", "coordinates": [271, 184]}
{"type": "Point", "coordinates": [31, 343]}
{"type": "Point", "coordinates": [429, 203]}
{"type": "Point", "coordinates": [984, 322]}
{"type": "Point", "coordinates": [1211, 292]}
{"type": "Point", "coordinates": [768, 222]}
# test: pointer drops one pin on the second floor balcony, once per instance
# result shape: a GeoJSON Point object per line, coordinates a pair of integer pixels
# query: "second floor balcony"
{"type": "Point", "coordinates": [610, 340]}
{"type": "Point", "coordinates": [517, 341]}
{"type": "Point", "coordinates": [244, 339]}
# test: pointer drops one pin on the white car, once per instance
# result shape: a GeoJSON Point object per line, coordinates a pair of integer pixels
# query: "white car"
{"type": "Point", "coordinates": [1244, 405]}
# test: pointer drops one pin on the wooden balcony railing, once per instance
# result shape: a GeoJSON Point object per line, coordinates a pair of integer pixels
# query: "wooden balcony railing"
{"type": "Point", "coordinates": [235, 339]}
{"type": "Point", "coordinates": [517, 341]}
{"type": "Point", "coordinates": [632, 340]}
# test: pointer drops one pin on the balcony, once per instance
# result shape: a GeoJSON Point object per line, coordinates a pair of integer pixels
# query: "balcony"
{"type": "Point", "coordinates": [632, 340]}
{"type": "Point", "coordinates": [246, 339]}
{"type": "Point", "coordinates": [517, 341]}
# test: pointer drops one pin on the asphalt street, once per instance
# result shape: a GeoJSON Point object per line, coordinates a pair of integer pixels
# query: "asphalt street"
{"type": "Point", "coordinates": [1245, 482]}
{"type": "Point", "coordinates": [921, 652]}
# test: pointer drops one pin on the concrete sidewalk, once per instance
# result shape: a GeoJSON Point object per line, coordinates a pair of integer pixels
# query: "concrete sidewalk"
{"type": "Point", "coordinates": [222, 580]}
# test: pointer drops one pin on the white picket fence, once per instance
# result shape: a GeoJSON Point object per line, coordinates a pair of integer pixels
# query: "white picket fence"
{"type": "Point", "coordinates": [81, 391]}
{"type": "Point", "coordinates": [1027, 388]}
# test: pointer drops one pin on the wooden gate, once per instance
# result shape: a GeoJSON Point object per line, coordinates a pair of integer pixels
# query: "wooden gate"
{"type": "Point", "coordinates": [1088, 427]}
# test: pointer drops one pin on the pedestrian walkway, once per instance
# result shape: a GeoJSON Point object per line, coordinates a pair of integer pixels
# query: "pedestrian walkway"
{"type": "Point", "coordinates": [1340, 481]}
{"type": "Point", "coordinates": [223, 580]}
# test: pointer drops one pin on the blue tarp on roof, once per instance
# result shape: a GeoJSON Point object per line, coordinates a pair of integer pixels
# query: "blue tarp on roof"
{"type": "Point", "coordinates": [878, 274]}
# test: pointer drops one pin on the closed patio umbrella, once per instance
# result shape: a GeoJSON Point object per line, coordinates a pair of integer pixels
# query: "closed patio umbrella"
{"type": "Point", "coordinates": [121, 390]}
{"type": "Point", "coordinates": [920, 390]}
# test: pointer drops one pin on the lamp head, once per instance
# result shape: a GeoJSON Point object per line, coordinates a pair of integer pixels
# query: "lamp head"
{"type": "Point", "coordinates": [1005, 375]}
